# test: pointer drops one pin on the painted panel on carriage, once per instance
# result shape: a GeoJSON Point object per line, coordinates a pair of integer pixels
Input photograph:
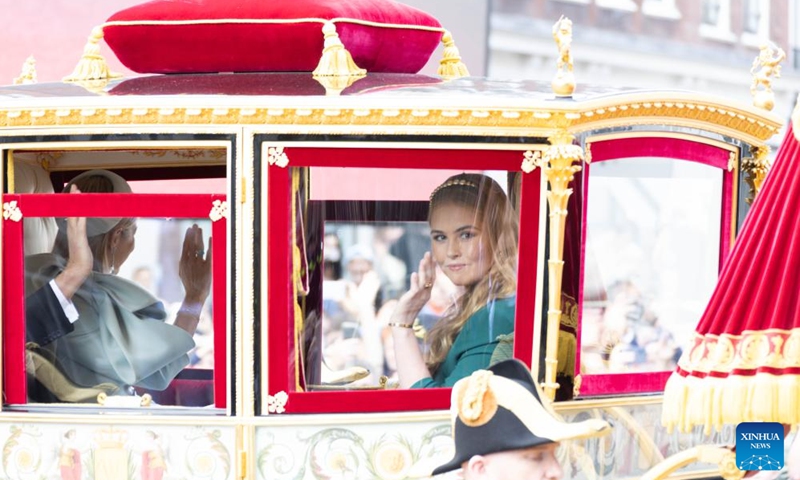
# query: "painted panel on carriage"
{"type": "Point", "coordinates": [116, 452]}
{"type": "Point", "coordinates": [377, 451]}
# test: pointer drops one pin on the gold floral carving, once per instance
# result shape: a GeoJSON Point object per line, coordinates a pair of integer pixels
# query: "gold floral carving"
{"type": "Point", "coordinates": [277, 403]}
{"type": "Point", "coordinates": [731, 161]}
{"type": "Point", "coordinates": [276, 156]}
{"type": "Point", "coordinates": [587, 156]}
{"type": "Point", "coordinates": [531, 160]}
{"type": "Point", "coordinates": [219, 210]}
{"type": "Point", "coordinates": [559, 169]}
{"type": "Point", "coordinates": [756, 168]}
{"type": "Point", "coordinates": [11, 211]}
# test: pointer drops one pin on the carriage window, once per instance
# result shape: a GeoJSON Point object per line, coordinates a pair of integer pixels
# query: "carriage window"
{"type": "Point", "coordinates": [113, 293]}
{"type": "Point", "coordinates": [653, 236]}
{"type": "Point", "coordinates": [365, 299]}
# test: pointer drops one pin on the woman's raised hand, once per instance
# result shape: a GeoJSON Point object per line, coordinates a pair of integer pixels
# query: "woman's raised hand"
{"type": "Point", "coordinates": [194, 267]}
{"type": "Point", "coordinates": [80, 262]}
{"type": "Point", "coordinates": [419, 293]}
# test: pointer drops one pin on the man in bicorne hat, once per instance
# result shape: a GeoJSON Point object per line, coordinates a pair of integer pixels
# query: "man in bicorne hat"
{"type": "Point", "coordinates": [502, 431]}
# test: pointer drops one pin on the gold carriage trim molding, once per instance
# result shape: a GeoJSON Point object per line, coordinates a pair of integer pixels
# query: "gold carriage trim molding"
{"type": "Point", "coordinates": [533, 122]}
{"type": "Point", "coordinates": [756, 168]}
{"type": "Point", "coordinates": [761, 369]}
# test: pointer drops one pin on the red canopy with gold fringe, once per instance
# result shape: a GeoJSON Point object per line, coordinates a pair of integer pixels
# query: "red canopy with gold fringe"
{"type": "Point", "coordinates": [744, 361]}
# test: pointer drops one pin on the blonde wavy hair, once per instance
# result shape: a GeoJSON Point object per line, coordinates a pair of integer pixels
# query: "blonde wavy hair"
{"type": "Point", "coordinates": [497, 219]}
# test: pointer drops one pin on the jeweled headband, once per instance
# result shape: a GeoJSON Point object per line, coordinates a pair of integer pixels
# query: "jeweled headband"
{"type": "Point", "coordinates": [453, 183]}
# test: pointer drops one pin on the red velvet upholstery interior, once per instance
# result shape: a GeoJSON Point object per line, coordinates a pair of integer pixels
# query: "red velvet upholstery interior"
{"type": "Point", "coordinates": [173, 36]}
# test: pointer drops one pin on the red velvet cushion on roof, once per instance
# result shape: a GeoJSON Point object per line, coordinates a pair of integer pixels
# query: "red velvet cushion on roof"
{"type": "Point", "coordinates": [173, 36]}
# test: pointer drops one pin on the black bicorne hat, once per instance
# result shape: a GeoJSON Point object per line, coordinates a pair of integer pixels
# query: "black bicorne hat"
{"type": "Point", "coordinates": [500, 409]}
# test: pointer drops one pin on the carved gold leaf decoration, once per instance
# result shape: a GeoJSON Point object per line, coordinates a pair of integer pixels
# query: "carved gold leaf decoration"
{"type": "Point", "coordinates": [219, 210]}
{"type": "Point", "coordinates": [11, 211]}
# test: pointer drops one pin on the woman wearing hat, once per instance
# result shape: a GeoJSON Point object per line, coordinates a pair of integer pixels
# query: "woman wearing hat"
{"type": "Point", "coordinates": [119, 339]}
{"type": "Point", "coordinates": [474, 243]}
{"type": "Point", "coordinates": [503, 432]}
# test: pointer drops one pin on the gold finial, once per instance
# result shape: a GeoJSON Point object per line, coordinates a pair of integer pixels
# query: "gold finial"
{"type": "Point", "coordinates": [564, 82]}
{"type": "Point", "coordinates": [766, 66]}
{"type": "Point", "coordinates": [451, 66]}
{"type": "Point", "coordinates": [28, 74]}
{"type": "Point", "coordinates": [92, 66]}
{"type": "Point", "coordinates": [335, 60]}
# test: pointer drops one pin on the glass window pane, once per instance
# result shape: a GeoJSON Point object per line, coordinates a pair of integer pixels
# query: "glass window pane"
{"type": "Point", "coordinates": [651, 261]}
{"type": "Point", "coordinates": [371, 244]}
{"type": "Point", "coordinates": [142, 318]}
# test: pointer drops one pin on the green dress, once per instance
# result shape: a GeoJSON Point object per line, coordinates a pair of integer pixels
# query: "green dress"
{"type": "Point", "coordinates": [485, 331]}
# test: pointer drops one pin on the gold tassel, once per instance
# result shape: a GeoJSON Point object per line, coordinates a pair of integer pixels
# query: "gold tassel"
{"type": "Point", "coordinates": [335, 60]}
{"type": "Point", "coordinates": [92, 65]}
{"type": "Point", "coordinates": [451, 66]}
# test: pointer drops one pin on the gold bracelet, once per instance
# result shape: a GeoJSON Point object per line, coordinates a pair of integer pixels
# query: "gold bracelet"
{"type": "Point", "coordinates": [401, 325]}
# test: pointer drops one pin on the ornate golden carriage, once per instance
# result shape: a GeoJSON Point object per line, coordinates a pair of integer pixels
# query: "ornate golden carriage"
{"type": "Point", "coordinates": [629, 202]}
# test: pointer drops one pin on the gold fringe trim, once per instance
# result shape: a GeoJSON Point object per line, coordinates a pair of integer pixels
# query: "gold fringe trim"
{"type": "Point", "coordinates": [336, 60]}
{"type": "Point", "coordinates": [92, 65]}
{"type": "Point", "coordinates": [713, 402]}
{"type": "Point", "coordinates": [451, 66]}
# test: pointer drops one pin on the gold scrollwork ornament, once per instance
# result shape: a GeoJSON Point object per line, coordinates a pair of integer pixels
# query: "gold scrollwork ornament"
{"type": "Point", "coordinates": [756, 168]}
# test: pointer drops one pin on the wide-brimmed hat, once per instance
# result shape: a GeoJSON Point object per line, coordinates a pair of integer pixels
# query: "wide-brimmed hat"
{"type": "Point", "coordinates": [99, 225]}
{"type": "Point", "coordinates": [500, 409]}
